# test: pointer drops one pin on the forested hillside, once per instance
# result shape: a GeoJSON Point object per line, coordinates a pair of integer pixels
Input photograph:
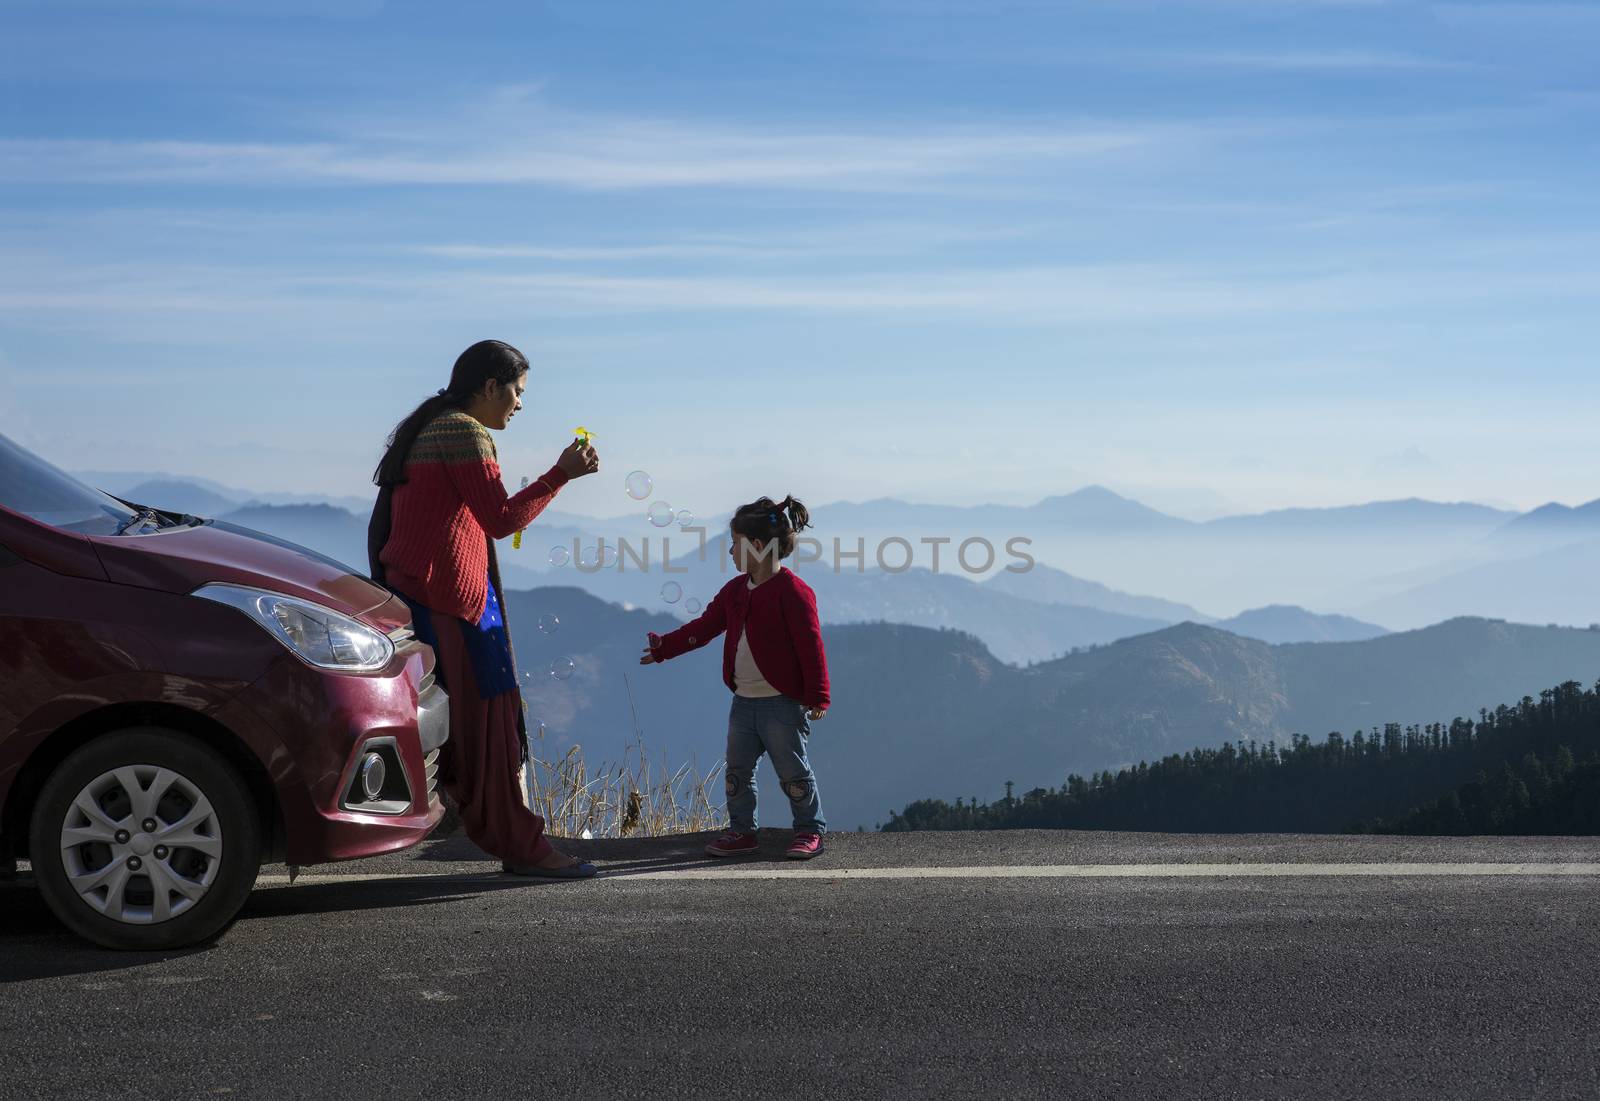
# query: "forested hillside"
{"type": "Point", "coordinates": [1533, 767]}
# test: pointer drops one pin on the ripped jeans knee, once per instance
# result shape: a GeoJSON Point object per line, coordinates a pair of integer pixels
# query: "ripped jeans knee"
{"type": "Point", "coordinates": [736, 781]}
{"type": "Point", "coordinates": [799, 789]}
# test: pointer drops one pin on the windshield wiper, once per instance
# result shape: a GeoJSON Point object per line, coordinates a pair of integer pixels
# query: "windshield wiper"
{"type": "Point", "coordinates": [140, 518]}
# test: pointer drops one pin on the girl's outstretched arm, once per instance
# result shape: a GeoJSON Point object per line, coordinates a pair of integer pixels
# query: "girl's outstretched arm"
{"type": "Point", "coordinates": [694, 634]}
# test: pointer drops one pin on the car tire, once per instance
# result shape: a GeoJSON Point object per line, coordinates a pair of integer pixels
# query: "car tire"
{"type": "Point", "coordinates": [112, 878]}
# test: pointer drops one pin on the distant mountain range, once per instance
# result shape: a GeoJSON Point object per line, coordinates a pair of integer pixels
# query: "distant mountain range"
{"type": "Point", "coordinates": [1098, 509]}
{"type": "Point", "coordinates": [203, 493]}
{"type": "Point", "coordinates": [920, 712]}
{"type": "Point", "coordinates": [1402, 564]}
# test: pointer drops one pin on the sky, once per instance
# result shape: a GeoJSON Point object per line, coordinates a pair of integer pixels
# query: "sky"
{"type": "Point", "coordinates": [1219, 255]}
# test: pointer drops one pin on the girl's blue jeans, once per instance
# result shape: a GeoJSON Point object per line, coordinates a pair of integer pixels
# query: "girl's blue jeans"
{"type": "Point", "coordinates": [778, 726]}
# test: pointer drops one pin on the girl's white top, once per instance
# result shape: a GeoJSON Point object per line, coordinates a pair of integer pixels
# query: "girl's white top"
{"type": "Point", "coordinates": [747, 678]}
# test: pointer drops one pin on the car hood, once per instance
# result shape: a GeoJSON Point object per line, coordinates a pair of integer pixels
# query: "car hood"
{"type": "Point", "coordinates": [180, 560]}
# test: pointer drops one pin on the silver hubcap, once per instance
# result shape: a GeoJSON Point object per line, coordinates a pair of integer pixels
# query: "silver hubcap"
{"type": "Point", "coordinates": [141, 844]}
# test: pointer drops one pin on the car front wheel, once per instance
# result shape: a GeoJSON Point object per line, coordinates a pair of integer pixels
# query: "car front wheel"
{"type": "Point", "coordinates": [145, 839]}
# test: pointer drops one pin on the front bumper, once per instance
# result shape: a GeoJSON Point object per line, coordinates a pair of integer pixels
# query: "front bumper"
{"type": "Point", "coordinates": [312, 729]}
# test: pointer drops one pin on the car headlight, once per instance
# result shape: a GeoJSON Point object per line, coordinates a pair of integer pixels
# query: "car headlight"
{"type": "Point", "coordinates": [317, 635]}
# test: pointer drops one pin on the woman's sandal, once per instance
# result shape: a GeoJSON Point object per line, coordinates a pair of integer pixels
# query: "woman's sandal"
{"type": "Point", "coordinates": [581, 870]}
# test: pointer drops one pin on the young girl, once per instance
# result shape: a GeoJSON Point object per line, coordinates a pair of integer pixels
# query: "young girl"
{"type": "Point", "coordinates": [772, 659]}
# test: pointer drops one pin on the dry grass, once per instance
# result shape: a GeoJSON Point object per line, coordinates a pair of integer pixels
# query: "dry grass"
{"type": "Point", "coordinates": [633, 798]}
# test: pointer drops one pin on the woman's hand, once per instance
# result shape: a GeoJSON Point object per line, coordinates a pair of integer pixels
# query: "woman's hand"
{"type": "Point", "coordinates": [578, 459]}
{"type": "Point", "coordinates": [816, 712]}
{"type": "Point", "coordinates": [647, 658]}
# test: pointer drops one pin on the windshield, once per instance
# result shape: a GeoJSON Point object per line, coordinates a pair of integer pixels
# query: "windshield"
{"type": "Point", "coordinates": [36, 489]}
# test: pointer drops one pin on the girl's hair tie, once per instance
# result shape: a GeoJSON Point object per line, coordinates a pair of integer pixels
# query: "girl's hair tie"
{"type": "Point", "coordinates": [773, 516]}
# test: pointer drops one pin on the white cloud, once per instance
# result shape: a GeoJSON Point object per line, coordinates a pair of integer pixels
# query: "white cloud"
{"type": "Point", "coordinates": [513, 141]}
{"type": "Point", "coordinates": [847, 239]}
{"type": "Point", "coordinates": [1090, 294]}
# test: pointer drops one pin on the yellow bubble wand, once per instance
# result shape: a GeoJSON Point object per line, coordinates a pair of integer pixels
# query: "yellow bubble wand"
{"type": "Point", "coordinates": [581, 435]}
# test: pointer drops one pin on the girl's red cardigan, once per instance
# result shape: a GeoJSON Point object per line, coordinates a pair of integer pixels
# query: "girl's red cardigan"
{"type": "Point", "coordinates": [451, 504]}
{"type": "Point", "coordinates": [780, 615]}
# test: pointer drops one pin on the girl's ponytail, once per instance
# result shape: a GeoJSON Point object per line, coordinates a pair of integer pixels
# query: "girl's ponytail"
{"type": "Point", "coordinates": [799, 518]}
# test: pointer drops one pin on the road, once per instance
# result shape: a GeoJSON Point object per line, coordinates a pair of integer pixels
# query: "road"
{"type": "Point", "coordinates": [1028, 964]}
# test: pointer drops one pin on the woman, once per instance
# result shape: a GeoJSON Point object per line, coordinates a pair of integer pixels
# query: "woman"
{"type": "Point", "coordinates": [441, 504]}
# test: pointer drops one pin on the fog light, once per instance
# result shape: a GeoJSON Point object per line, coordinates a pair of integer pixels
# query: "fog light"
{"type": "Point", "coordinates": [373, 771]}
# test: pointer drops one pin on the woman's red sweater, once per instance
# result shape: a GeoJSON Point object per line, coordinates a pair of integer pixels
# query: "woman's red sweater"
{"type": "Point", "coordinates": [780, 615]}
{"type": "Point", "coordinates": [450, 505]}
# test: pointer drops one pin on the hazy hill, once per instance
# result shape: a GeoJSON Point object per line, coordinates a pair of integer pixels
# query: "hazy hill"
{"type": "Point", "coordinates": [335, 532]}
{"type": "Point", "coordinates": [1015, 629]}
{"type": "Point", "coordinates": [1552, 586]}
{"type": "Point", "coordinates": [1555, 519]}
{"type": "Point", "coordinates": [1286, 623]}
{"type": "Point", "coordinates": [122, 482]}
{"type": "Point", "coordinates": [1048, 585]}
{"type": "Point", "coordinates": [176, 496]}
{"type": "Point", "coordinates": [1410, 514]}
{"type": "Point", "coordinates": [1091, 508]}
{"type": "Point", "coordinates": [1273, 623]}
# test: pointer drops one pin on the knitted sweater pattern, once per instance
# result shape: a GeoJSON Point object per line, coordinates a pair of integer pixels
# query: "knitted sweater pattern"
{"type": "Point", "coordinates": [451, 504]}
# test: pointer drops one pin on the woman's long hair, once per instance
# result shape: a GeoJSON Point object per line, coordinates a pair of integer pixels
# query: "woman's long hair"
{"type": "Point", "coordinates": [485, 360]}
{"type": "Point", "coordinates": [767, 520]}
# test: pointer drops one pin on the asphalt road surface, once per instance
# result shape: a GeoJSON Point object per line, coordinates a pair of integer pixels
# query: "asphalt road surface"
{"type": "Point", "coordinates": [1032, 964]}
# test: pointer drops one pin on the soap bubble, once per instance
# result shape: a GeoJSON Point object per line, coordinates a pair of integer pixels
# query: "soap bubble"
{"type": "Point", "coordinates": [560, 556]}
{"type": "Point", "coordinates": [692, 606]}
{"type": "Point", "coordinates": [639, 485]}
{"type": "Point", "coordinates": [671, 592]}
{"type": "Point", "coordinates": [589, 557]}
{"type": "Point", "coordinates": [685, 517]}
{"type": "Point", "coordinates": [562, 668]}
{"type": "Point", "coordinates": [660, 514]}
{"type": "Point", "coordinates": [608, 556]}
{"type": "Point", "coordinates": [549, 624]}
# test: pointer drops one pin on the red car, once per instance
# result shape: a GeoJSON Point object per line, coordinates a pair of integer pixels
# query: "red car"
{"type": "Point", "coordinates": [182, 700]}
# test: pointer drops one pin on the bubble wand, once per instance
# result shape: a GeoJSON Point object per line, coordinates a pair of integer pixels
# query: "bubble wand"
{"type": "Point", "coordinates": [581, 435]}
{"type": "Point", "coordinates": [516, 536]}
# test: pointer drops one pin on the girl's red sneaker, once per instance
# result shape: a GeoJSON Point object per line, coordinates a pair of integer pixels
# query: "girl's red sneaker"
{"type": "Point", "coordinates": [805, 846]}
{"type": "Point", "coordinates": [734, 843]}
